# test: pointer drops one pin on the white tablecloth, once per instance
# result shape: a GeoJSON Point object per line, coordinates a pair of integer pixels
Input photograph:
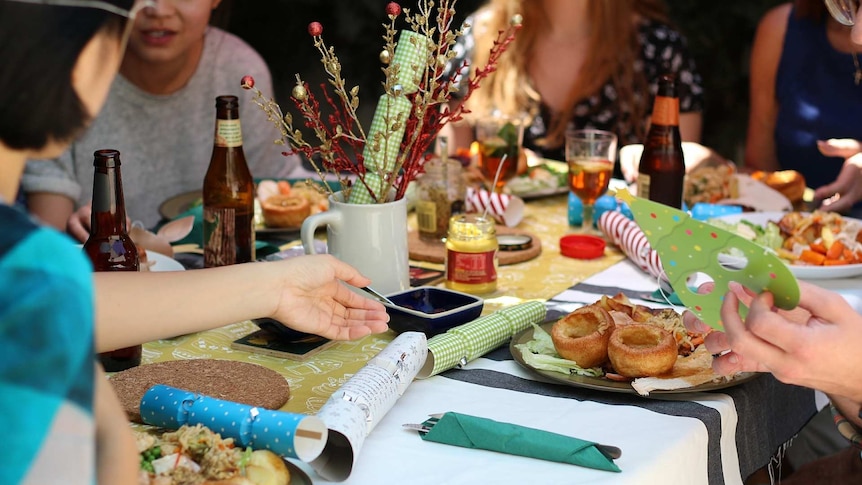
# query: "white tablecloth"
{"type": "Point", "coordinates": [689, 438]}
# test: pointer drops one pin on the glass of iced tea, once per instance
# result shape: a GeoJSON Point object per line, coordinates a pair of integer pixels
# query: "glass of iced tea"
{"type": "Point", "coordinates": [499, 136]}
{"type": "Point", "coordinates": [590, 155]}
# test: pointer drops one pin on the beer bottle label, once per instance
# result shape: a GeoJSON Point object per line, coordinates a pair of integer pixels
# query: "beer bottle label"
{"type": "Point", "coordinates": [219, 241]}
{"type": "Point", "coordinates": [228, 133]}
{"type": "Point", "coordinates": [426, 216]}
{"type": "Point", "coordinates": [643, 185]}
{"type": "Point", "coordinates": [666, 111]}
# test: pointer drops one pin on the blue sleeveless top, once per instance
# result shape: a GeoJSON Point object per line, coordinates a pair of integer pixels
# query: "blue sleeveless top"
{"type": "Point", "coordinates": [817, 100]}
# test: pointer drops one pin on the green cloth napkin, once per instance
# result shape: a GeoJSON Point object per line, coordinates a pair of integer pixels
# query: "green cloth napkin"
{"type": "Point", "coordinates": [486, 434]}
{"type": "Point", "coordinates": [477, 338]}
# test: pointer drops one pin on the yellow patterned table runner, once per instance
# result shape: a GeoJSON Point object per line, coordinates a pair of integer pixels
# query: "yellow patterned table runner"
{"type": "Point", "coordinates": [312, 381]}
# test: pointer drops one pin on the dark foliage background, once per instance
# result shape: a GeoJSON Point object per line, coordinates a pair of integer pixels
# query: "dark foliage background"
{"type": "Point", "coordinates": [719, 35]}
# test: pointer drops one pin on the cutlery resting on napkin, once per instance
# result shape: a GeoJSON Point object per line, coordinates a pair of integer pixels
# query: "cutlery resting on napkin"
{"type": "Point", "coordinates": [486, 434]}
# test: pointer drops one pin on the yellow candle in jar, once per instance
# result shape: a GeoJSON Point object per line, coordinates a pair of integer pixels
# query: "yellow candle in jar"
{"type": "Point", "coordinates": [471, 254]}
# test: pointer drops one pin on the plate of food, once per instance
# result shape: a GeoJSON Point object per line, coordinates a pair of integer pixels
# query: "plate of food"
{"type": "Point", "coordinates": [280, 205]}
{"type": "Point", "coordinates": [816, 245]}
{"type": "Point", "coordinates": [549, 177]}
{"type": "Point", "coordinates": [159, 262]}
{"type": "Point", "coordinates": [195, 454]}
{"type": "Point", "coordinates": [615, 345]}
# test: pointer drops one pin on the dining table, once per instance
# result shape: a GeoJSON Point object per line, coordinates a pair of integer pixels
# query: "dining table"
{"type": "Point", "coordinates": [682, 437]}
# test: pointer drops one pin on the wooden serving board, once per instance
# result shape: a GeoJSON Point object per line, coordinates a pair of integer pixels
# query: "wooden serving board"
{"type": "Point", "coordinates": [436, 252]}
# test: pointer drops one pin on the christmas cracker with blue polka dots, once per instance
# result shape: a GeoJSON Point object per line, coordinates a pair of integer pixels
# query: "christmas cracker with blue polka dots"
{"type": "Point", "coordinates": [288, 434]}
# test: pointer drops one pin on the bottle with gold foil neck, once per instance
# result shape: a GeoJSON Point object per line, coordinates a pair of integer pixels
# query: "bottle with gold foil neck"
{"type": "Point", "coordinates": [471, 254]}
{"type": "Point", "coordinates": [228, 193]}
{"type": "Point", "coordinates": [661, 172]}
{"type": "Point", "coordinates": [109, 246]}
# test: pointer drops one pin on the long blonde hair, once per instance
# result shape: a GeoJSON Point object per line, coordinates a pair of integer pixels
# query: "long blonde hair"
{"type": "Point", "coordinates": [613, 48]}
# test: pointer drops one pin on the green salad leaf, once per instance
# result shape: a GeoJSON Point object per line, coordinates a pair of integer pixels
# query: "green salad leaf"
{"type": "Point", "coordinates": [539, 353]}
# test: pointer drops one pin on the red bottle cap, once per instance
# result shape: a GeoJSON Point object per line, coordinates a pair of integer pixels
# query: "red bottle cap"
{"type": "Point", "coordinates": [581, 246]}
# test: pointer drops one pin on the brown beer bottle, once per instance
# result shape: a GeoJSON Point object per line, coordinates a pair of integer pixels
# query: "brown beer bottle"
{"type": "Point", "coordinates": [109, 246]}
{"type": "Point", "coordinates": [228, 193]}
{"type": "Point", "coordinates": [661, 172]}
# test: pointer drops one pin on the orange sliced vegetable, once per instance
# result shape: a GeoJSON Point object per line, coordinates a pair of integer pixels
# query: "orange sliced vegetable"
{"type": "Point", "coordinates": [818, 247]}
{"type": "Point", "coordinates": [835, 251]}
{"type": "Point", "coordinates": [835, 262]}
{"type": "Point", "coordinates": [284, 187]}
{"type": "Point", "coordinates": [812, 257]}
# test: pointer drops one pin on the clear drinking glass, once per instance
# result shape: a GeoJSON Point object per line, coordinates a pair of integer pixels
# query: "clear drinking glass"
{"type": "Point", "coordinates": [499, 136]}
{"type": "Point", "coordinates": [590, 155]}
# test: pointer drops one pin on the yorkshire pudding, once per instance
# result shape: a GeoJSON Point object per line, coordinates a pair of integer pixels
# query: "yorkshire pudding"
{"type": "Point", "coordinates": [582, 336]}
{"type": "Point", "coordinates": [285, 210]}
{"type": "Point", "coordinates": [790, 183]}
{"type": "Point", "coordinates": [640, 350]}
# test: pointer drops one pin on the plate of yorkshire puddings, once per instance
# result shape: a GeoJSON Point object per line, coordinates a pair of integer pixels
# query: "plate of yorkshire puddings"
{"type": "Point", "coordinates": [280, 206]}
{"type": "Point", "coordinates": [284, 205]}
{"type": "Point", "coordinates": [616, 345]}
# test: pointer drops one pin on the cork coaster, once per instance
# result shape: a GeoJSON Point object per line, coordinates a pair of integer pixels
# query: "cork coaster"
{"type": "Point", "coordinates": [229, 380]}
{"type": "Point", "coordinates": [436, 252]}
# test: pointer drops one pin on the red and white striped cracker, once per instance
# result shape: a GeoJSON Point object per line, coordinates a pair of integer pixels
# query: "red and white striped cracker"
{"type": "Point", "coordinates": [627, 235]}
{"type": "Point", "coordinates": [507, 209]}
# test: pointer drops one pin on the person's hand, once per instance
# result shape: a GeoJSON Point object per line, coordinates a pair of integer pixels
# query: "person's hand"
{"type": "Point", "coordinates": [313, 299]}
{"type": "Point", "coordinates": [846, 190]}
{"type": "Point", "coordinates": [816, 345]}
{"type": "Point", "coordinates": [78, 225]}
{"type": "Point", "coordinates": [839, 147]}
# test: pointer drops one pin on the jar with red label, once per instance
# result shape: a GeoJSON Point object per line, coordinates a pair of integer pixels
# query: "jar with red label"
{"type": "Point", "coordinates": [471, 254]}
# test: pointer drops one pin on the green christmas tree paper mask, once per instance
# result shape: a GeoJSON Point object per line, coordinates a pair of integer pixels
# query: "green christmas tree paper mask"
{"type": "Point", "coordinates": [688, 247]}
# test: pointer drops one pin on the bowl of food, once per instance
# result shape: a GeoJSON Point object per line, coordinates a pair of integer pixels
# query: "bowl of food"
{"type": "Point", "coordinates": [431, 310]}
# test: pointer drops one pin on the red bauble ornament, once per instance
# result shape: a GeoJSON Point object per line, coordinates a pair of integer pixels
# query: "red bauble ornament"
{"type": "Point", "coordinates": [315, 29]}
{"type": "Point", "coordinates": [247, 82]}
{"type": "Point", "coordinates": [393, 9]}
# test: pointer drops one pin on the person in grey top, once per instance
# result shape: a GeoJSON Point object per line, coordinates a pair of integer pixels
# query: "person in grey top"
{"type": "Point", "coordinates": [160, 115]}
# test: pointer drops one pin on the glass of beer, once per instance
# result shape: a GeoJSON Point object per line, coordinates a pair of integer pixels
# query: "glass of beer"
{"type": "Point", "coordinates": [590, 155]}
{"type": "Point", "coordinates": [499, 136]}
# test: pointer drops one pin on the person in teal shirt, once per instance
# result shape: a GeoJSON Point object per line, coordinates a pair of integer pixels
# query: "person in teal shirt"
{"type": "Point", "coordinates": [62, 422]}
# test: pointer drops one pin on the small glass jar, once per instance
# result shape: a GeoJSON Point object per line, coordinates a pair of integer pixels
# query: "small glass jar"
{"type": "Point", "coordinates": [471, 254]}
{"type": "Point", "coordinates": [439, 196]}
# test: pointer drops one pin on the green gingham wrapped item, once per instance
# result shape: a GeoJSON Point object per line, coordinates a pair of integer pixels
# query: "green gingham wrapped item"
{"type": "Point", "coordinates": [409, 56]}
{"type": "Point", "coordinates": [465, 343]}
{"type": "Point", "coordinates": [410, 59]}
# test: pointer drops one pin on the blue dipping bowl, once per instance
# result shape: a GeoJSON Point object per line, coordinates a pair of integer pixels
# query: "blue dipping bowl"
{"type": "Point", "coordinates": [431, 310]}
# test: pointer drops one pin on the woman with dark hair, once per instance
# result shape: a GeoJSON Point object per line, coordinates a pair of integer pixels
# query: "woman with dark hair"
{"type": "Point", "coordinates": [805, 100]}
{"type": "Point", "coordinates": [582, 64]}
{"type": "Point", "coordinates": [55, 313]}
{"type": "Point", "coordinates": [159, 114]}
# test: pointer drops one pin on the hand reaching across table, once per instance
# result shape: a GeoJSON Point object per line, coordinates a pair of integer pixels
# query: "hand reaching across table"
{"type": "Point", "coordinates": [815, 345]}
{"type": "Point", "coordinates": [846, 190]}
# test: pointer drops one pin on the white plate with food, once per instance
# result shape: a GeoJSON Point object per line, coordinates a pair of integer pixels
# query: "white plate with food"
{"type": "Point", "coordinates": [289, 211]}
{"type": "Point", "coordinates": [160, 262]}
{"type": "Point", "coordinates": [850, 235]}
{"type": "Point", "coordinates": [549, 177]}
{"type": "Point", "coordinates": [614, 338]}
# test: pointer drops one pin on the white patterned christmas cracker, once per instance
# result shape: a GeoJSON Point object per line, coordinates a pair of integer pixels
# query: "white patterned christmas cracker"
{"type": "Point", "coordinates": [628, 236]}
{"type": "Point", "coordinates": [467, 342]}
{"type": "Point", "coordinates": [355, 409]}
{"type": "Point", "coordinates": [506, 209]}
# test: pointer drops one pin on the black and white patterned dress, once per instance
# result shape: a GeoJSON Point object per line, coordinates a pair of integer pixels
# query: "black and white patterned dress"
{"type": "Point", "coordinates": [664, 50]}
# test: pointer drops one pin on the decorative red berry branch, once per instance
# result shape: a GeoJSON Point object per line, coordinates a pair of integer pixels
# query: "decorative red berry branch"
{"type": "Point", "coordinates": [341, 140]}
